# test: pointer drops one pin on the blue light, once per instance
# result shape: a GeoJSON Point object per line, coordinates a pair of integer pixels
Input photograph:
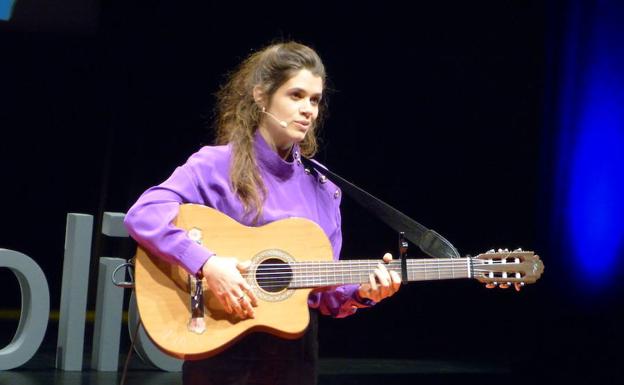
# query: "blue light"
{"type": "Point", "coordinates": [6, 6]}
{"type": "Point", "coordinates": [591, 145]}
{"type": "Point", "coordinates": [595, 197]}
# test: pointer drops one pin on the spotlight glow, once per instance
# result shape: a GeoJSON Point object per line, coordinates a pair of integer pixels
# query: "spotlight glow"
{"type": "Point", "coordinates": [591, 164]}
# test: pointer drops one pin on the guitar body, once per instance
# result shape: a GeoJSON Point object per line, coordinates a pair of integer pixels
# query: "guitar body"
{"type": "Point", "coordinates": [163, 290]}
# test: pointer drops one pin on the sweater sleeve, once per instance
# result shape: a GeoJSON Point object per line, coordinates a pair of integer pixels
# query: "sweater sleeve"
{"type": "Point", "coordinates": [150, 220]}
{"type": "Point", "coordinates": [338, 301]}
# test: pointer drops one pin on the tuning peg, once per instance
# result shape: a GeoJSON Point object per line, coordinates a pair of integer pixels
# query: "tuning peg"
{"type": "Point", "coordinates": [519, 250]}
{"type": "Point", "coordinates": [490, 251]}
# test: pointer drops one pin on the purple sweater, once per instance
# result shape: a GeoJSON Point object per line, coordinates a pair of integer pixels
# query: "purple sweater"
{"type": "Point", "coordinates": [204, 179]}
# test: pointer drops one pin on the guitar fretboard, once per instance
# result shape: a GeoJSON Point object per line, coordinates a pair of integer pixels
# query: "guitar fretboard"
{"type": "Point", "coordinates": [317, 274]}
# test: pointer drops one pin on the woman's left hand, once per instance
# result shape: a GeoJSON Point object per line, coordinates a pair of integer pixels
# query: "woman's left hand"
{"type": "Point", "coordinates": [383, 283]}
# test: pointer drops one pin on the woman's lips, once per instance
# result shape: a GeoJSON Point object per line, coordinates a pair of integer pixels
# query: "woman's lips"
{"type": "Point", "coordinates": [302, 125]}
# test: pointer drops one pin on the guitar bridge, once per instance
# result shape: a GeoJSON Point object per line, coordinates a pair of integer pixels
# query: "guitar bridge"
{"type": "Point", "coordinates": [196, 323]}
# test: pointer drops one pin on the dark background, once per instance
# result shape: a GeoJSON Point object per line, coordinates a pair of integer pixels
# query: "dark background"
{"type": "Point", "coordinates": [439, 108]}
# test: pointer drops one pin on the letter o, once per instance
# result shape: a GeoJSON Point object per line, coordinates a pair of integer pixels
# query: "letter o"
{"type": "Point", "coordinates": [35, 309]}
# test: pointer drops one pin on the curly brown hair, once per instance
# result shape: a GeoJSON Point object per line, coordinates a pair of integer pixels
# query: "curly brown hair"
{"type": "Point", "coordinates": [238, 114]}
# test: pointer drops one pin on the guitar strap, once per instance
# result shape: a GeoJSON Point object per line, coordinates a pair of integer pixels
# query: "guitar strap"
{"type": "Point", "coordinates": [426, 239]}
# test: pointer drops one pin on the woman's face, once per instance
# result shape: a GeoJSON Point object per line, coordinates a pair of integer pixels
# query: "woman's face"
{"type": "Point", "coordinates": [296, 103]}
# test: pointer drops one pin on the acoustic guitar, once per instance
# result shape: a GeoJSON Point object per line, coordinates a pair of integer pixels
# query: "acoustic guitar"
{"type": "Point", "coordinates": [289, 258]}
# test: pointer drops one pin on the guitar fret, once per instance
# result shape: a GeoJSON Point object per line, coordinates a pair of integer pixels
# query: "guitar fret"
{"type": "Point", "coordinates": [453, 270]}
{"type": "Point", "coordinates": [324, 275]}
{"type": "Point", "coordinates": [317, 276]}
{"type": "Point", "coordinates": [305, 283]}
{"type": "Point", "coordinates": [438, 261]}
{"type": "Point", "coordinates": [350, 276]}
{"type": "Point", "coordinates": [319, 279]}
{"type": "Point", "coordinates": [328, 274]}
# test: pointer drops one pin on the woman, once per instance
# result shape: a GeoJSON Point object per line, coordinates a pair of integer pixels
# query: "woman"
{"type": "Point", "coordinates": [268, 113]}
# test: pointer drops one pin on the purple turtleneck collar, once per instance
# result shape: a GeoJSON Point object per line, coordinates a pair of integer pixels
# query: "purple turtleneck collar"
{"type": "Point", "coordinates": [270, 161]}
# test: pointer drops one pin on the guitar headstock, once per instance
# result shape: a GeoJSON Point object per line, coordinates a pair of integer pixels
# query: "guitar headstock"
{"type": "Point", "coordinates": [504, 267]}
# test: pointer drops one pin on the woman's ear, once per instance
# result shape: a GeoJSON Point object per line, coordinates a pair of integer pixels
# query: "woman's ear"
{"type": "Point", "coordinates": [258, 96]}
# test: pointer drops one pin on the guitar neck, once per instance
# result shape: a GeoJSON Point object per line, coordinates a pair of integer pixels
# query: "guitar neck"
{"type": "Point", "coordinates": [318, 274]}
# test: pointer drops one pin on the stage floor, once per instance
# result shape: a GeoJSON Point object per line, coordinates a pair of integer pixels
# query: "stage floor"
{"type": "Point", "coordinates": [40, 370]}
{"type": "Point", "coordinates": [332, 371]}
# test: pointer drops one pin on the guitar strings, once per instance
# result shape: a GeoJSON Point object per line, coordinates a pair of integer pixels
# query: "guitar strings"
{"type": "Point", "coordinates": [393, 263]}
{"type": "Point", "coordinates": [359, 268]}
{"type": "Point", "coordinates": [299, 284]}
{"type": "Point", "coordinates": [318, 268]}
{"type": "Point", "coordinates": [307, 273]}
{"type": "Point", "coordinates": [355, 271]}
{"type": "Point", "coordinates": [364, 277]}
{"type": "Point", "coordinates": [326, 267]}
{"type": "Point", "coordinates": [302, 276]}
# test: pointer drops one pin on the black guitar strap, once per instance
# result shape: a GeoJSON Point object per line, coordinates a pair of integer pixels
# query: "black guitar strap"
{"type": "Point", "coordinates": [427, 240]}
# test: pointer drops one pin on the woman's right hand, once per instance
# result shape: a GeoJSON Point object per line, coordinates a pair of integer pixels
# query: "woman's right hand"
{"type": "Point", "coordinates": [224, 279]}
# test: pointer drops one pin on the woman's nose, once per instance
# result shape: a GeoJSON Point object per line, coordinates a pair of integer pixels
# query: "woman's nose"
{"type": "Point", "coordinates": [306, 107]}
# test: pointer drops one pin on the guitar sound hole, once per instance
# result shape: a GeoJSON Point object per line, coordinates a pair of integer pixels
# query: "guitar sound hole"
{"type": "Point", "coordinates": [273, 275]}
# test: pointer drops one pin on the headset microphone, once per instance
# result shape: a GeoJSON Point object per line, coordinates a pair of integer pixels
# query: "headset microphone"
{"type": "Point", "coordinates": [282, 123]}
